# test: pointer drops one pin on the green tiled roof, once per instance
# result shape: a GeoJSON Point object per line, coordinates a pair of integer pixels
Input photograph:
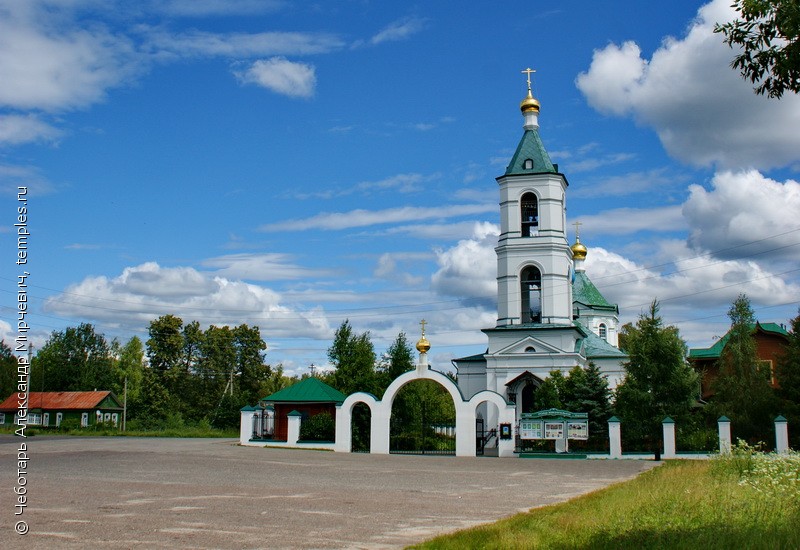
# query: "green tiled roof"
{"type": "Point", "coordinates": [716, 350]}
{"type": "Point", "coordinates": [530, 147]}
{"type": "Point", "coordinates": [310, 390]}
{"type": "Point", "coordinates": [584, 292]}
{"type": "Point", "coordinates": [594, 346]}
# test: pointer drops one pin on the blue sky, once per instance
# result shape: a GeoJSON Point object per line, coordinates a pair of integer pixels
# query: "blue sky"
{"type": "Point", "coordinates": [291, 165]}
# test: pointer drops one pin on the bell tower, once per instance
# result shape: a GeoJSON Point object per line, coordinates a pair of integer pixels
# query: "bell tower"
{"type": "Point", "coordinates": [534, 259]}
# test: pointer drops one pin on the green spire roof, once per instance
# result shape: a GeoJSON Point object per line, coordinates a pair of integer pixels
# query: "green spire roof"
{"type": "Point", "coordinates": [585, 293]}
{"type": "Point", "coordinates": [530, 147]}
{"type": "Point", "coordinates": [310, 390]}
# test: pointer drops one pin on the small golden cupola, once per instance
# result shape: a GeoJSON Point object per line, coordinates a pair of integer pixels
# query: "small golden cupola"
{"type": "Point", "coordinates": [423, 345]}
{"type": "Point", "coordinates": [578, 250]}
{"type": "Point", "coordinates": [529, 103]}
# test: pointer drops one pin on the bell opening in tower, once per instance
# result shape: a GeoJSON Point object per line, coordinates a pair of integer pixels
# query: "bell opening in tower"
{"type": "Point", "coordinates": [531, 293]}
{"type": "Point", "coordinates": [529, 214]}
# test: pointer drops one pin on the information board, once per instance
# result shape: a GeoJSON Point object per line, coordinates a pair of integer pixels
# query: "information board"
{"type": "Point", "coordinates": [554, 430]}
{"type": "Point", "coordinates": [578, 430]}
{"type": "Point", "coordinates": [530, 429]}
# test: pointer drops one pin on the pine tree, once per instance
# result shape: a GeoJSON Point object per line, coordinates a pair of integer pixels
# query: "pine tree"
{"type": "Point", "coordinates": [742, 389]}
{"type": "Point", "coordinates": [658, 382]}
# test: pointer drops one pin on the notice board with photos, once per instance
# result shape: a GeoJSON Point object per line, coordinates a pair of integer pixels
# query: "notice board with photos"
{"type": "Point", "coordinates": [554, 424]}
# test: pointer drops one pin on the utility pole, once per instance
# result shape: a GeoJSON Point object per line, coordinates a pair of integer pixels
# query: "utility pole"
{"type": "Point", "coordinates": [125, 404]}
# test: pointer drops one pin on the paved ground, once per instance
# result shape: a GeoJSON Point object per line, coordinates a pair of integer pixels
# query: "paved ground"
{"type": "Point", "coordinates": [201, 493]}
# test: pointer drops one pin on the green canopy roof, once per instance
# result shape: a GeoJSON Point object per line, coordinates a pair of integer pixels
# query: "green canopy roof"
{"type": "Point", "coordinates": [310, 390]}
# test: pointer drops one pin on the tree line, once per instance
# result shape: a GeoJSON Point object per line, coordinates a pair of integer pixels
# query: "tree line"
{"type": "Point", "coordinates": [185, 374]}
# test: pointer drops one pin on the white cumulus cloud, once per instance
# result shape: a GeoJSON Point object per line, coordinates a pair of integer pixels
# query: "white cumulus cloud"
{"type": "Point", "coordinates": [142, 293]}
{"type": "Point", "coordinates": [704, 113]}
{"type": "Point", "coordinates": [281, 76]}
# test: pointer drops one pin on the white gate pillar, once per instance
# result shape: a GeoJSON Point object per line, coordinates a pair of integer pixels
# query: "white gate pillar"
{"type": "Point", "coordinates": [668, 427]}
{"type": "Point", "coordinates": [781, 435]}
{"type": "Point", "coordinates": [724, 428]}
{"type": "Point", "coordinates": [614, 438]}
{"type": "Point", "coordinates": [294, 419]}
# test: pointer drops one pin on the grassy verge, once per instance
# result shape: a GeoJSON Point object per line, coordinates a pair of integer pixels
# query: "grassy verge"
{"type": "Point", "coordinates": [745, 501]}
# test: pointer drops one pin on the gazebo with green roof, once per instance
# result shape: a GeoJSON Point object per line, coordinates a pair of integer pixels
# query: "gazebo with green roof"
{"type": "Point", "coordinates": [309, 397]}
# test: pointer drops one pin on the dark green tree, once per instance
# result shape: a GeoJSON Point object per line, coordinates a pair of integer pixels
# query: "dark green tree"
{"type": "Point", "coordinates": [127, 364]}
{"type": "Point", "coordinates": [165, 347]}
{"type": "Point", "coordinates": [399, 359]}
{"type": "Point", "coordinates": [788, 373]}
{"type": "Point", "coordinates": [658, 381]}
{"type": "Point", "coordinates": [8, 371]}
{"type": "Point", "coordinates": [250, 367]}
{"type": "Point", "coordinates": [74, 359]}
{"type": "Point", "coordinates": [742, 389]}
{"type": "Point", "coordinates": [153, 405]}
{"type": "Point", "coordinates": [768, 34]}
{"type": "Point", "coordinates": [353, 358]}
{"type": "Point", "coordinates": [547, 394]}
{"type": "Point", "coordinates": [586, 390]}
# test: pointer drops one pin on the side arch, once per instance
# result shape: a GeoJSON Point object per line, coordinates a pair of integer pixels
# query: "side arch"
{"type": "Point", "coordinates": [507, 415]}
{"type": "Point", "coordinates": [344, 418]}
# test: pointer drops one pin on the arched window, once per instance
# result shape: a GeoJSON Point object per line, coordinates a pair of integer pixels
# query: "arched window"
{"type": "Point", "coordinates": [527, 164]}
{"type": "Point", "coordinates": [529, 214]}
{"type": "Point", "coordinates": [531, 293]}
{"type": "Point", "coordinates": [603, 331]}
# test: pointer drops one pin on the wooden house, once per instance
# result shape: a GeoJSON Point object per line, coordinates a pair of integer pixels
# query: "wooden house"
{"type": "Point", "coordinates": [51, 409]}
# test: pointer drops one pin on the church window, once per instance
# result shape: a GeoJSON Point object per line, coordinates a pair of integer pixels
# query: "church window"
{"type": "Point", "coordinates": [529, 212]}
{"type": "Point", "coordinates": [531, 292]}
{"type": "Point", "coordinates": [530, 349]}
{"type": "Point", "coordinates": [528, 164]}
{"type": "Point", "coordinates": [602, 331]}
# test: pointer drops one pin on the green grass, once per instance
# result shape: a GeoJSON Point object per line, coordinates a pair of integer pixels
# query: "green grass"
{"type": "Point", "coordinates": [723, 503]}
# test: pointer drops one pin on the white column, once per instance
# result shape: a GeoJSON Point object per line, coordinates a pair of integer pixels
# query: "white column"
{"type": "Point", "coordinates": [246, 427]}
{"type": "Point", "coordinates": [293, 432]}
{"type": "Point", "coordinates": [614, 438]}
{"type": "Point", "coordinates": [668, 426]}
{"type": "Point", "coordinates": [724, 426]}
{"type": "Point", "coordinates": [781, 435]}
{"type": "Point", "coordinates": [343, 426]}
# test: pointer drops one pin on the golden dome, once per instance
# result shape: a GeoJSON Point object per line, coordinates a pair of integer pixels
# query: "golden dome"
{"type": "Point", "coordinates": [578, 250]}
{"type": "Point", "coordinates": [423, 345]}
{"type": "Point", "coordinates": [529, 104]}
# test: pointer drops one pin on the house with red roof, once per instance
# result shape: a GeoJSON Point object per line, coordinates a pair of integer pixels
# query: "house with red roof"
{"type": "Point", "coordinates": [51, 408]}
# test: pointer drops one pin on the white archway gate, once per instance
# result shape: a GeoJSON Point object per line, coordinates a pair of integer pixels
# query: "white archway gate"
{"type": "Point", "coordinates": [381, 411]}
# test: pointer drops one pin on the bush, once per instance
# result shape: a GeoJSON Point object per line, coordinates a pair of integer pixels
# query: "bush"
{"type": "Point", "coordinates": [70, 424]}
{"type": "Point", "coordinates": [320, 427]}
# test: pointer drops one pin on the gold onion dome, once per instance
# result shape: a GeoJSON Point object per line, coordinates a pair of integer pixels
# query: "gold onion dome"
{"type": "Point", "coordinates": [423, 345]}
{"type": "Point", "coordinates": [578, 250]}
{"type": "Point", "coordinates": [529, 103]}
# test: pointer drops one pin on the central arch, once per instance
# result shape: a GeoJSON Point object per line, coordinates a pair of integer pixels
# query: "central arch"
{"type": "Point", "coordinates": [466, 412]}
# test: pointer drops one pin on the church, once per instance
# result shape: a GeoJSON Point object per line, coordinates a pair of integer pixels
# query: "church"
{"type": "Point", "coordinates": [549, 314]}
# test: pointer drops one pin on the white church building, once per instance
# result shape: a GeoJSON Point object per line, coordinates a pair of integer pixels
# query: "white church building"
{"type": "Point", "coordinates": [549, 314]}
